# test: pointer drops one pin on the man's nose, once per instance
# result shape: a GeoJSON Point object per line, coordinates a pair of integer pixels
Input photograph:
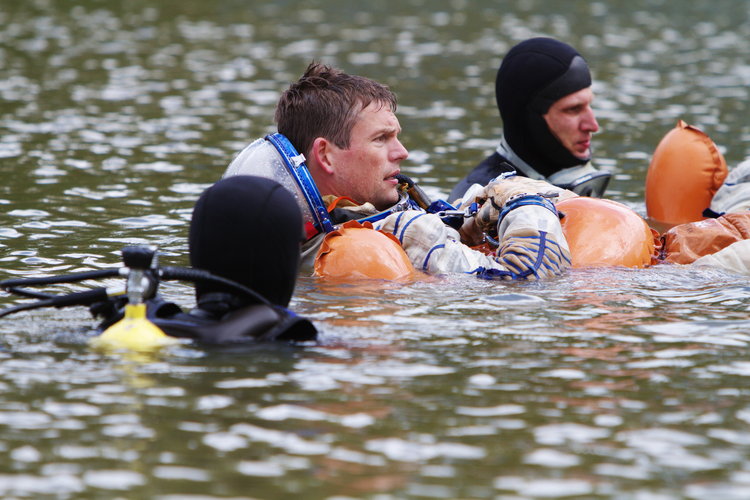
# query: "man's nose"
{"type": "Point", "coordinates": [399, 152]}
{"type": "Point", "coordinates": [589, 123]}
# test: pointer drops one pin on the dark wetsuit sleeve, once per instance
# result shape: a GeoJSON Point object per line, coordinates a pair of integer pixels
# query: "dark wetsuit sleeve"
{"type": "Point", "coordinates": [491, 167]}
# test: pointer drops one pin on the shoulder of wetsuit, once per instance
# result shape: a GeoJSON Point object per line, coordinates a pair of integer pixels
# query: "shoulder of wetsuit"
{"type": "Point", "coordinates": [249, 324]}
{"type": "Point", "coordinates": [492, 166]}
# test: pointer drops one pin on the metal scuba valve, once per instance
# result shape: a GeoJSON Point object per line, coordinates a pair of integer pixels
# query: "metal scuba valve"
{"type": "Point", "coordinates": [134, 331]}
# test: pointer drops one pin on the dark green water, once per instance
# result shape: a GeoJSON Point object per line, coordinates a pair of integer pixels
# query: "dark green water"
{"type": "Point", "coordinates": [114, 116]}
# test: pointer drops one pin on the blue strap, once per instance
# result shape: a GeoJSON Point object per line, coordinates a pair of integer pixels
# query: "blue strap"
{"type": "Point", "coordinates": [406, 226]}
{"type": "Point", "coordinates": [526, 200]}
{"type": "Point", "coordinates": [398, 223]}
{"type": "Point", "coordinates": [429, 254]}
{"type": "Point", "coordinates": [512, 271]}
{"type": "Point", "coordinates": [295, 164]}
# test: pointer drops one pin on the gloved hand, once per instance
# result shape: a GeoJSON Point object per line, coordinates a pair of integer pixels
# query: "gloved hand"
{"type": "Point", "coordinates": [496, 194]}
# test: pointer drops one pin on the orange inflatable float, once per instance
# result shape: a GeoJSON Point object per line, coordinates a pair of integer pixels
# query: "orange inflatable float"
{"type": "Point", "coordinates": [685, 243]}
{"type": "Point", "coordinates": [685, 172]}
{"type": "Point", "coordinates": [605, 233]}
{"type": "Point", "coordinates": [356, 251]}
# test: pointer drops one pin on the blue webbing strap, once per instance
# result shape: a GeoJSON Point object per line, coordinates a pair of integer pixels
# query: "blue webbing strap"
{"type": "Point", "coordinates": [526, 200]}
{"type": "Point", "coordinates": [429, 254]}
{"type": "Point", "coordinates": [295, 162]}
{"type": "Point", "coordinates": [543, 245]}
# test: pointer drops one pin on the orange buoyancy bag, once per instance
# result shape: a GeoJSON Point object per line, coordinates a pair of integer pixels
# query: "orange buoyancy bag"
{"type": "Point", "coordinates": [683, 176]}
{"type": "Point", "coordinates": [356, 251]}
{"type": "Point", "coordinates": [687, 242]}
{"type": "Point", "coordinates": [605, 233]}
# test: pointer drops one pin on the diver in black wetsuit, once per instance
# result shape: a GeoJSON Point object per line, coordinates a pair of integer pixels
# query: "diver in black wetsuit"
{"type": "Point", "coordinates": [249, 230]}
{"type": "Point", "coordinates": [534, 83]}
{"type": "Point", "coordinates": [245, 238]}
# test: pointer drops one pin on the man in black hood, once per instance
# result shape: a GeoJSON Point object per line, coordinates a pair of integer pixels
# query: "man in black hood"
{"type": "Point", "coordinates": [543, 92]}
{"type": "Point", "coordinates": [248, 230]}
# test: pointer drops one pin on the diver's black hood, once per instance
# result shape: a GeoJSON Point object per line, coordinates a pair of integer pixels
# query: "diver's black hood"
{"type": "Point", "coordinates": [248, 229]}
{"type": "Point", "coordinates": [533, 75]}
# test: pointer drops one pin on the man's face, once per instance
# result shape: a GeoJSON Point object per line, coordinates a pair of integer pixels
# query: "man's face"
{"type": "Point", "coordinates": [571, 120]}
{"type": "Point", "coordinates": [366, 170]}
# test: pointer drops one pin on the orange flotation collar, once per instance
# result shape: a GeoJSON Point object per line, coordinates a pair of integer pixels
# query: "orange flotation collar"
{"type": "Point", "coordinates": [605, 233]}
{"type": "Point", "coordinates": [356, 251]}
{"type": "Point", "coordinates": [685, 243]}
{"type": "Point", "coordinates": [683, 176]}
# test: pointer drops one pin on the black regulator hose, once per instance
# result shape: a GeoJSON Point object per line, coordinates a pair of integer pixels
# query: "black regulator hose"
{"type": "Point", "coordinates": [30, 294]}
{"type": "Point", "coordinates": [53, 280]}
{"type": "Point", "coordinates": [199, 275]}
{"type": "Point", "coordinates": [84, 298]}
{"type": "Point", "coordinates": [101, 294]}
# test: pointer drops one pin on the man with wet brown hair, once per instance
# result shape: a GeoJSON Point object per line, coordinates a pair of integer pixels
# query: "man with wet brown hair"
{"type": "Point", "coordinates": [346, 127]}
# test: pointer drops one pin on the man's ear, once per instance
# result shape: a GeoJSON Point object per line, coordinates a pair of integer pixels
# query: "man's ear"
{"type": "Point", "coordinates": [321, 154]}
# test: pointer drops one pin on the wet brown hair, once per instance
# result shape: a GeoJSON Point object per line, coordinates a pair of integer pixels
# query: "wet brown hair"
{"type": "Point", "coordinates": [325, 102]}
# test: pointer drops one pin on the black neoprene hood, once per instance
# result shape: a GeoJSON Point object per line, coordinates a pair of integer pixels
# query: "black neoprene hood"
{"type": "Point", "coordinates": [248, 229]}
{"type": "Point", "coordinates": [533, 75]}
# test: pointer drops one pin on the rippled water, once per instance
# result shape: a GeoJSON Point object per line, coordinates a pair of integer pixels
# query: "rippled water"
{"type": "Point", "coordinates": [608, 383]}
